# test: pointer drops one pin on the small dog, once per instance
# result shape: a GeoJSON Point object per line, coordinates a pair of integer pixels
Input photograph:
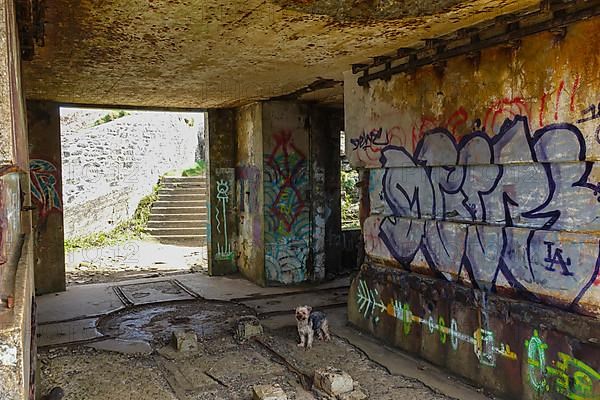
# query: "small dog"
{"type": "Point", "coordinates": [310, 323]}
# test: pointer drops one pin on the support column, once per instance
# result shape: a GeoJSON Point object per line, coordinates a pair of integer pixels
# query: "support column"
{"type": "Point", "coordinates": [250, 194]}
{"type": "Point", "coordinates": [222, 227]}
{"type": "Point", "coordinates": [325, 127]}
{"type": "Point", "coordinates": [45, 166]}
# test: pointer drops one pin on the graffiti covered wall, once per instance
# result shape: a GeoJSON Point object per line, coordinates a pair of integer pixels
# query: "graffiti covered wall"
{"type": "Point", "coordinates": [222, 223]}
{"type": "Point", "coordinates": [485, 175]}
{"type": "Point", "coordinates": [43, 121]}
{"type": "Point", "coordinates": [518, 350]}
{"type": "Point", "coordinates": [488, 174]}
{"type": "Point", "coordinates": [287, 230]}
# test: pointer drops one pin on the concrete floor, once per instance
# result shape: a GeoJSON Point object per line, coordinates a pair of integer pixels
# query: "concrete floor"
{"type": "Point", "coordinates": [133, 259]}
{"type": "Point", "coordinates": [111, 340]}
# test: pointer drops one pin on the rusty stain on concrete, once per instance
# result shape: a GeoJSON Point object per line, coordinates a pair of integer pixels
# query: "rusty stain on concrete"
{"type": "Point", "coordinates": [217, 54]}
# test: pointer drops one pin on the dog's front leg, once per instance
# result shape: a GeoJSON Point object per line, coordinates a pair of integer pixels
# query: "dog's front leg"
{"type": "Point", "coordinates": [302, 339]}
{"type": "Point", "coordinates": [311, 336]}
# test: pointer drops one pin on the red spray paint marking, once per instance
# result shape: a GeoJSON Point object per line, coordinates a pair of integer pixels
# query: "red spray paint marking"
{"type": "Point", "coordinates": [561, 86]}
{"type": "Point", "coordinates": [457, 119]}
{"type": "Point", "coordinates": [285, 144]}
{"type": "Point", "coordinates": [543, 108]}
{"type": "Point", "coordinates": [504, 108]}
{"type": "Point", "coordinates": [573, 92]}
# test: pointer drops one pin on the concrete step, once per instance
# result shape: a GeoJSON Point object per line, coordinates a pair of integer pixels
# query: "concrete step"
{"type": "Point", "coordinates": [176, 231]}
{"type": "Point", "coordinates": [171, 185]}
{"type": "Point", "coordinates": [156, 217]}
{"type": "Point", "coordinates": [182, 190]}
{"type": "Point", "coordinates": [178, 203]}
{"type": "Point", "coordinates": [183, 197]}
{"type": "Point", "coordinates": [178, 210]}
{"type": "Point", "coordinates": [188, 240]}
{"type": "Point", "coordinates": [200, 178]}
{"type": "Point", "coordinates": [194, 223]}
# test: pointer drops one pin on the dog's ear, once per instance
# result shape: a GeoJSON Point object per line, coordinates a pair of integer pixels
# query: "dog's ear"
{"type": "Point", "coordinates": [309, 308]}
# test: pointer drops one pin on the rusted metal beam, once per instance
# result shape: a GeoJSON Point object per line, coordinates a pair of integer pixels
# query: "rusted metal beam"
{"type": "Point", "coordinates": [514, 32]}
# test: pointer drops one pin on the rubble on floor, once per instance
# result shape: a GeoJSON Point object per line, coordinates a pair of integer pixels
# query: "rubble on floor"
{"type": "Point", "coordinates": [268, 392]}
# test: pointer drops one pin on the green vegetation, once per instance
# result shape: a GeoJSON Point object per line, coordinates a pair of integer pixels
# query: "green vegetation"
{"type": "Point", "coordinates": [350, 199]}
{"type": "Point", "coordinates": [196, 170]}
{"type": "Point", "coordinates": [111, 116]}
{"type": "Point", "coordinates": [131, 229]}
{"type": "Point", "coordinates": [189, 122]}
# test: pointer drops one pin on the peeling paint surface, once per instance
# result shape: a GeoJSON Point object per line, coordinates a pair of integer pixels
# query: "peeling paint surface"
{"type": "Point", "coordinates": [10, 208]}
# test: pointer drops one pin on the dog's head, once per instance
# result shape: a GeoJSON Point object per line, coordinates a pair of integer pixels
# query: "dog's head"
{"type": "Point", "coordinates": [303, 312]}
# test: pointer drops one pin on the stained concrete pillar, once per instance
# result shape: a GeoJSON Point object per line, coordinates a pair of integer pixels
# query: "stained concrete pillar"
{"type": "Point", "coordinates": [222, 227]}
{"type": "Point", "coordinates": [326, 124]}
{"type": "Point", "coordinates": [250, 190]}
{"type": "Point", "coordinates": [289, 198]}
{"type": "Point", "coordinates": [43, 120]}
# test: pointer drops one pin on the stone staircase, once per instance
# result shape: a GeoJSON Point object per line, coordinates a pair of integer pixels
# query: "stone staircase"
{"type": "Point", "coordinates": [179, 215]}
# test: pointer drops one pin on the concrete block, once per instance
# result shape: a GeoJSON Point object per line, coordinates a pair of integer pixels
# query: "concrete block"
{"type": "Point", "coordinates": [333, 381]}
{"type": "Point", "coordinates": [356, 394]}
{"type": "Point", "coordinates": [248, 327]}
{"type": "Point", "coordinates": [185, 340]}
{"type": "Point", "coordinates": [268, 392]}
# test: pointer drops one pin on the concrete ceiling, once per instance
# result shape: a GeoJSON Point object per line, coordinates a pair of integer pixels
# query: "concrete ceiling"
{"type": "Point", "coordinates": [219, 53]}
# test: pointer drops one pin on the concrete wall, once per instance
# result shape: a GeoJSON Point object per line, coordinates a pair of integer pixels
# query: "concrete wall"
{"type": "Point", "coordinates": [107, 169]}
{"type": "Point", "coordinates": [43, 120]}
{"type": "Point", "coordinates": [483, 174]}
{"type": "Point", "coordinates": [250, 199]}
{"type": "Point", "coordinates": [17, 339]}
{"type": "Point", "coordinates": [222, 227]}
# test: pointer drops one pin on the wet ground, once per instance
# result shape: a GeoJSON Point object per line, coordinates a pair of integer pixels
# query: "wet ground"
{"type": "Point", "coordinates": [221, 368]}
{"type": "Point", "coordinates": [132, 260]}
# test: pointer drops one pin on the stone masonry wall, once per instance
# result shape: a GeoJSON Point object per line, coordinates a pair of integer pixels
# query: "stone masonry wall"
{"type": "Point", "coordinates": [108, 168]}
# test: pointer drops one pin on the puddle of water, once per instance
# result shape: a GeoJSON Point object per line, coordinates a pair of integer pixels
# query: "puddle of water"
{"type": "Point", "coordinates": [156, 323]}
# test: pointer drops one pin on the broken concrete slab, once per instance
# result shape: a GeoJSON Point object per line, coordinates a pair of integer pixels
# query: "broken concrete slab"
{"type": "Point", "coordinates": [356, 394]}
{"type": "Point", "coordinates": [152, 292]}
{"type": "Point", "coordinates": [247, 327]}
{"type": "Point", "coordinates": [123, 346]}
{"type": "Point", "coordinates": [68, 332]}
{"type": "Point", "coordinates": [77, 302]}
{"type": "Point", "coordinates": [333, 381]}
{"type": "Point", "coordinates": [185, 340]}
{"type": "Point", "coordinates": [268, 392]}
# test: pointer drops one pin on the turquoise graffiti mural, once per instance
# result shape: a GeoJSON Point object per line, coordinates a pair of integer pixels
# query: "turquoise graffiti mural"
{"type": "Point", "coordinates": [287, 220]}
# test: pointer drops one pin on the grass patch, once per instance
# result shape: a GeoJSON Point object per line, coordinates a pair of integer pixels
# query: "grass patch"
{"type": "Point", "coordinates": [198, 169]}
{"type": "Point", "coordinates": [111, 116]}
{"type": "Point", "coordinates": [132, 228]}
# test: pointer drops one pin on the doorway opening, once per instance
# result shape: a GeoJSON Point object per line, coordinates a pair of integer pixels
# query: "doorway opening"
{"type": "Point", "coordinates": [134, 193]}
{"type": "Point", "coordinates": [349, 206]}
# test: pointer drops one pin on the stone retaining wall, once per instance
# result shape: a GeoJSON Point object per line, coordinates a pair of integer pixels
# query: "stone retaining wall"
{"type": "Point", "coordinates": [108, 168]}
